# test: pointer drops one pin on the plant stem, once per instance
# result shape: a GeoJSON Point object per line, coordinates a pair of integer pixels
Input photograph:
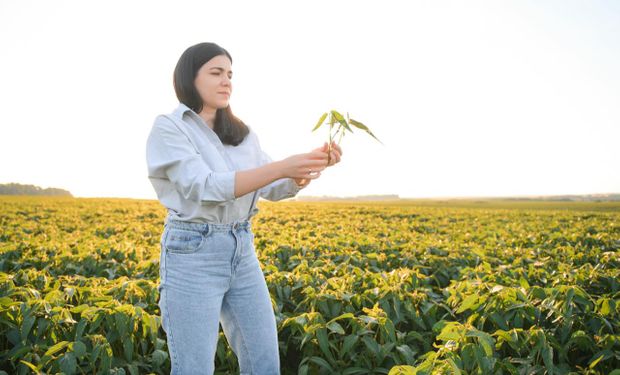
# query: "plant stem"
{"type": "Point", "coordinates": [329, 147]}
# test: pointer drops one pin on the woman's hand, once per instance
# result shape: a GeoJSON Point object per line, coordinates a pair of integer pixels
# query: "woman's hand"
{"type": "Point", "coordinates": [304, 166]}
{"type": "Point", "coordinates": [335, 155]}
{"type": "Point", "coordinates": [313, 173]}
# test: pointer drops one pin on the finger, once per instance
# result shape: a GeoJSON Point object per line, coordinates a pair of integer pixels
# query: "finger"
{"type": "Point", "coordinates": [338, 148]}
{"type": "Point", "coordinates": [316, 168]}
{"type": "Point", "coordinates": [318, 155]}
{"type": "Point", "coordinates": [338, 156]}
{"type": "Point", "coordinates": [335, 158]}
{"type": "Point", "coordinates": [315, 164]}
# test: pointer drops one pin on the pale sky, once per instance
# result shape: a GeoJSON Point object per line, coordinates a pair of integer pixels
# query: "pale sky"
{"type": "Point", "coordinates": [476, 98]}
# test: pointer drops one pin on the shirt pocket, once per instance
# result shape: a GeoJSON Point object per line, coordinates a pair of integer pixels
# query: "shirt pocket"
{"type": "Point", "coordinates": [183, 241]}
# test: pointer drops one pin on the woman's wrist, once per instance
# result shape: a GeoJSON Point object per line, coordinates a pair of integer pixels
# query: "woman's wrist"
{"type": "Point", "coordinates": [278, 169]}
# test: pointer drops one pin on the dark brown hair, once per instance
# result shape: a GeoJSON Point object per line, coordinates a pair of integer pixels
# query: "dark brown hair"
{"type": "Point", "coordinates": [230, 129]}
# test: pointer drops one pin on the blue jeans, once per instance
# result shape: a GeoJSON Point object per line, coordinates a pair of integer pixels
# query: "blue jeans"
{"type": "Point", "coordinates": [209, 274]}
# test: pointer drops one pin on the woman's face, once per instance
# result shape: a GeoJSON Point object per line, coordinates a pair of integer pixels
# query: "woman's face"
{"type": "Point", "coordinates": [213, 82]}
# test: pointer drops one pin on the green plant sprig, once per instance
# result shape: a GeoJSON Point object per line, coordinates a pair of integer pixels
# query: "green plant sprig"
{"type": "Point", "coordinates": [336, 118]}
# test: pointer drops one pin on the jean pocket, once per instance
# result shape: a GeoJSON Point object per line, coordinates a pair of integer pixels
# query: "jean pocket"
{"type": "Point", "coordinates": [183, 241]}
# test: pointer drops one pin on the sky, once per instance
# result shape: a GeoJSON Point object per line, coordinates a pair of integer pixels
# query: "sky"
{"type": "Point", "coordinates": [476, 98]}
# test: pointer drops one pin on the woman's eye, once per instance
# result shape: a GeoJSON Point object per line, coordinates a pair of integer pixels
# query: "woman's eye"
{"type": "Point", "coordinates": [217, 74]}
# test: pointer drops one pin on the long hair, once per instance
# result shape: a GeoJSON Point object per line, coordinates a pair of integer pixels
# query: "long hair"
{"type": "Point", "coordinates": [230, 129]}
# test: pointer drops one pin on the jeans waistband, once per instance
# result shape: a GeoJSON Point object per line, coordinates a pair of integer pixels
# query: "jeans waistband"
{"type": "Point", "coordinates": [209, 227]}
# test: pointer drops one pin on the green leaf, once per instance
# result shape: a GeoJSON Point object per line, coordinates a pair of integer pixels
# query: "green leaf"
{"type": "Point", "coordinates": [68, 363]}
{"type": "Point", "coordinates": [524, 284]}
{"type": "Point", "coordinates": [95, 353]}
{"type": "Point", "coordinates": [468, 303]}
{"type": "Point", "coordinates": [340, 119]}
{"type": "Point", "coordinates": [32, 367]}
{"type": "Point", "coordinates": [406, 352]}
{"type": "Point", "coordinates": [499, 320]}
{"type": "Point", "coordinates": [159, 357]}
{"type": "Point", "coordinates": [596, 361]}
{"type": "Point", "coordinates": [484, 339]}
{"type": "Point", "coordinates": [349, 342]}
{"type": "Point", "coordinates": [133, 369]}
{"type": "Point", "coordinates": [128, 349]}
{"type": "Point", "coordinates": [371, 345]}
{"type": "Point", "coordinates": [468, 356]}
{"type": "Point", "coordinates": [321, 362]}
{"type": "Point", "coordinates": [355, 370]}
{"type": "Point", "coordinates": [321, 335]}
{"type": "Point", "coordinates": [80, 329]}
{"type": "Point", "coordinates": [607, 306]}
{"type": "Point", "coordinates": [21, 352]}
{"type": "Point", "coordinates": [27, 326]}
{"type": "Point", "coordinates": [455, 368]}
{"type": "Point", "coordinates": [79, 348]}
{"type": "Point", "coordinates": [57, 347]}
{"type": "Point", "coordinates": [402, 370]}
{"type": "Point", "coordinates": [338, 116]}
{"type": "Point", "coordinates": [547, 354]}
{"type": "Point", "coordinates": [318, 124]}
{"type": "Point", "coordinates": [358, 124]}
{"type": "Point", "coordinates": [335, 327]}
{"type": "Point", "coordinates": [343, 316]}
{"type": "Point", "coordinates": [449, 331]}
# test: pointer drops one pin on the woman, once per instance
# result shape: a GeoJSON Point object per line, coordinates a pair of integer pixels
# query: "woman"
{"type": "Point", "coordinates": [208, 170]}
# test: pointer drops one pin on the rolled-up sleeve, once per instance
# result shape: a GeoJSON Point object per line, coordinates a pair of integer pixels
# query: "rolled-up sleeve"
{"type": "Point", "coordinates": [279, 189]}
{"type": "Point", "coordinates": [171, 155]}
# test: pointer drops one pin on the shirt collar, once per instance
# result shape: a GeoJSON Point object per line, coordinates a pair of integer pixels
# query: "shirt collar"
{"type": "Point", "coordinates": [181, 109]}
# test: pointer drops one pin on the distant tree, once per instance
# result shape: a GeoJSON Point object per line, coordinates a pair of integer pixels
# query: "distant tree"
{"type": "Point", "coordinates": [20, 189]}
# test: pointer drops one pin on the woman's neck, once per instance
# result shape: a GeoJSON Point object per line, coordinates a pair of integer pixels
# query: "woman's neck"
{"type": "Point", "coordinates": [208, 115]}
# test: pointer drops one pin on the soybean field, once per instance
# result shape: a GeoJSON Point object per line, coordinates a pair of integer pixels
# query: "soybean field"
{"type": "Point", "coordinates": [402, 287]}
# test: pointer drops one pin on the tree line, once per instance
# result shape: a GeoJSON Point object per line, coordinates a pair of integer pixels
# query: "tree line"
{"type": "Point", "coordinates": [20, 189]}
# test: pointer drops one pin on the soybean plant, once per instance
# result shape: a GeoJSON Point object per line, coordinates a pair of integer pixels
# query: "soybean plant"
{"type": "Point", "coordinates": [336, 118]}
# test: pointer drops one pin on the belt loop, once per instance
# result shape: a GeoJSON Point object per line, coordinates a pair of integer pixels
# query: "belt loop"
{"type": "Point", "coordinates": [207, 229]}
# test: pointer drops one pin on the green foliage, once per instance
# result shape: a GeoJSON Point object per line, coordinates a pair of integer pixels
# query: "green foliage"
{"type": "Point", "coordinates": [336, 117]}
{"type": "Point", "coordinates": [357, 288]}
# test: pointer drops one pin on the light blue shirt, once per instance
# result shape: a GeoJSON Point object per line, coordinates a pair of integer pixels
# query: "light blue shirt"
{"type": "Point", "coordinates": [193, 172]}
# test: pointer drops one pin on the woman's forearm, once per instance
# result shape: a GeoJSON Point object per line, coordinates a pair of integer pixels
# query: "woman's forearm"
{"type": "Point", "coordinates": [250, 180]}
